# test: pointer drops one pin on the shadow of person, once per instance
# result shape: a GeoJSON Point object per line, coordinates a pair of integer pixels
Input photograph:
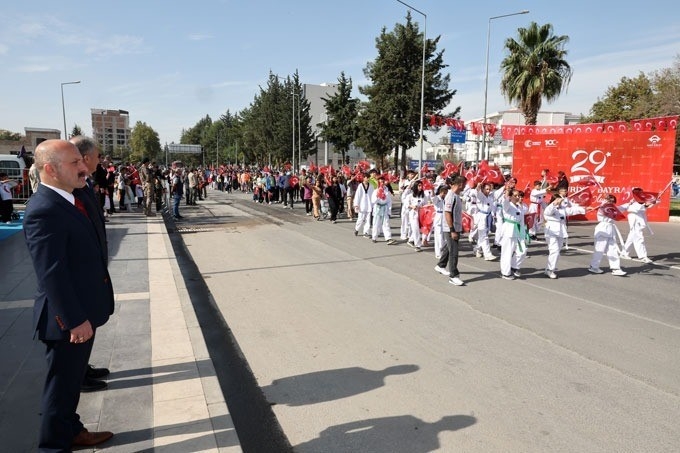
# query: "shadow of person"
{"type": "Point", "coordinates": [399, 434]}
{"type": "Point", "coordinates": [329, 385]}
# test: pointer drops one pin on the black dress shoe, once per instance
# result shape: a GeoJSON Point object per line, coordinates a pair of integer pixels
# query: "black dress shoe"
{"type": "Point", "coordinates": [92, 385]}
{"type": "Point", "coordinates": [96, 373]}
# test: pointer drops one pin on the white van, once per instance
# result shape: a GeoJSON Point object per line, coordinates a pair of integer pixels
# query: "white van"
{"type": "Point", "coordinates": [16, 170]}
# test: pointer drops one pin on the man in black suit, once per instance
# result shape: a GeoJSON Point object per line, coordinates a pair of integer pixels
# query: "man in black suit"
{"type": "Point", "coordinates": [75, 294]}
{"type": "Point", "coordinates": [88, 194]}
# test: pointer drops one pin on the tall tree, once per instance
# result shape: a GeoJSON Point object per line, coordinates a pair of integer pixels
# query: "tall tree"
{"type": "Point", "coordinates": [630, 99]}
{"type": "Point", "coordinates": [396, 76]}
{"type": "Point", "coordinates": [12, 136]}
{"type": "Point", "coordinates": [76, 131]}
{"type": "Point", "coordinates": [342, 110]}
{"type": "Point", "coordinates": [144, 142]}
{"type": "Point", "coordinates": [645, 96]}
{"type": "Point", "coordinates": [535, 68]}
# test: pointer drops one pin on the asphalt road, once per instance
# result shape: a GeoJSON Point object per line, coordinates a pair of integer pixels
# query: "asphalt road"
{"type": "Point", "coordinates": [362, 347]}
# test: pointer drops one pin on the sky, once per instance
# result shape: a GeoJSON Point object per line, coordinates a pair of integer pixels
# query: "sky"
{"type": "Point", "coordinates": [171, 63]}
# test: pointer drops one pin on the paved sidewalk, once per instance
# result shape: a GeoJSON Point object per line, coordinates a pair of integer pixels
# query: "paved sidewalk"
{"type": "Point", "coordinates": [163, 393]}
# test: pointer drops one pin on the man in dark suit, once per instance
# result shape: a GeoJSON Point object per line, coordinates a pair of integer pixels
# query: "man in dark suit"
{"type": "Point", "coordinates": [74, 296]}
{"type": "Point", "coordinates": [88, 194]}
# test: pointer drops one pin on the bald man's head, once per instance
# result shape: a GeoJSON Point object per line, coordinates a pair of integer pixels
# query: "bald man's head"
{"type": "Point", "coordinates": [60, 165]}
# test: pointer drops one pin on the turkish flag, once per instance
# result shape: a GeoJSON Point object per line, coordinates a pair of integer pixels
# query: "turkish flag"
{"type": "Point", "coordinates": [495, 175]}
{"type": "Point", "coordinates": [294, 180]}
{"type": "Point", "coordinates": [529, 220]}
{"type": "Point", "coordinates": [312, 168]}
{"type": "Point", "coordinates": [610, 210]}
{"type": "Point", "coordinates": [582, 197]}
{"type": "Point", "coordinates": [467, 222]}
{"type": "Point", "coordinates": [641, 196]}
{"type": "Point", "coordinates": [363, 165]}
{"type": "Point", "coordinates": [347, 171]}
{"type": "Point", "coordinates": [626, 195]}
{"type": "Point", "coordinates": [427, 184]}
{"type": "Point", "coordinates": [426, 218]}
{"type": "Point", "coordinates": [470, 175]}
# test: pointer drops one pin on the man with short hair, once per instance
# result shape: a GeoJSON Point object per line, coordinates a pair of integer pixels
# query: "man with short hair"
{"type": "Point", "coordinates": [91, 157]}
{"type": "Point", "coordinates": [452, 228]}
{"type": "Point", "coordinates": [177, 188]}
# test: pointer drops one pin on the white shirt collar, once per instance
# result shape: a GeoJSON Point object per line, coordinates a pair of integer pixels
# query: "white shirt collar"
{"type": "Point", "coordinates": [67, 196]}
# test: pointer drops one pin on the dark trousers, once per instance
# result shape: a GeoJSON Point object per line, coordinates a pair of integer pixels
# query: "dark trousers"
{"type": "Point", "coordinates": [308, 205]}
{"type": "Point", "coordinates": [66, 366]}
{"type": "Point", "coordinates": [334, 207]}
{"type": "Point", "coordinates": [6, 208]}
{"type": "Point", "coordinates": [288, 196]}
{"type": "Point", "coordinates": [450, 255]}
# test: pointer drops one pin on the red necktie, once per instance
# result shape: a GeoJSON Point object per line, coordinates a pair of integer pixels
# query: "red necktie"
{"type": "Point", "coordinates": [81, 207]}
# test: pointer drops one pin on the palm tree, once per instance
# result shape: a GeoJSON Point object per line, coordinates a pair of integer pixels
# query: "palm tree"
{"type": "Point", "coordinates": [535, 68]}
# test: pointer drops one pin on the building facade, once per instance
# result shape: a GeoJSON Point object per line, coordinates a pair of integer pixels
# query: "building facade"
{"type": "Point", "coordinates": [111, 129]}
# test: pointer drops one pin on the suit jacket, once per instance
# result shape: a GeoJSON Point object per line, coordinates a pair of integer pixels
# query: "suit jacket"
{"type": "Point", "coordinates": [96, 214]}
{"type": "Point", "coordinates": [70, 265]}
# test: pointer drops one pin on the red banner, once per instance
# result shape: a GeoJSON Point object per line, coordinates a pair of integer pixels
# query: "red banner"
{"type": "Point", "coordinates": [611, 163]}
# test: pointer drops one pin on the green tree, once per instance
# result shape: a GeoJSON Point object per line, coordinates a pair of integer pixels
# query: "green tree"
{"type": "Point", "coordinates": [396, 76]}
{"type": "Point", "coordinates": [11, 136]}
{"type": "Point", "coordinates": [646, 96]}
{"type": "Point", "coordinates": [342, 110]}
{"type": "Point", "coordinates": [374, 135]}
{"type": "Point", "coordinates": [144, 142]}
{"type": "Point", "coordinates": [76, 131]}
{"type": "Point", "coordinates": [535, 68]}
{"type": "Point", "coordinates": [629, 100]}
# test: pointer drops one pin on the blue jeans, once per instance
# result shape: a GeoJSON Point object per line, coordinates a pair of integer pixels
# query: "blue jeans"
{"type": "Point", "coordinates": [175, 206]}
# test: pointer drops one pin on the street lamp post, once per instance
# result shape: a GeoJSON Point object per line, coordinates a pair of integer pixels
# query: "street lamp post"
{"type": "Point", "coordinates": [63, 108]}
{"type": "Point", "coordinates": [422, 83]}
{"type": "Point", "coordinates": [484, 153]}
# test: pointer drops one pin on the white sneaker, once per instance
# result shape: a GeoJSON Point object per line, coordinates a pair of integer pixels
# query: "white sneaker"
{"type": "Point", "coordinates": [507, 277]}
{"type": "Point", "coordinates": [595, 270]}
{"type": "Point", "coordinates": [516, 273]}
{"type": "Point", "coordinates": [456, 281]}
{"type": "Point", "coordinates": [490, 258]}
{"type": "Point", "coordinates": [618, 272]}
{"type": "Point", "coordinates": [441, 270]}
{"type": "Point", "coordinates": [478, 254]}
{"type": "Point", "coordinates": [646, 260]}
{"type": "Point", "coordinates": [624, 255]}
{"type": "Point", "coordinates": [550, 274]}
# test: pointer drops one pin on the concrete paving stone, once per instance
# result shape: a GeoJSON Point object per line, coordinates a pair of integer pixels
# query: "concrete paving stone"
{"type": "Point", "coordinates": [131, 296]}
{"type": "Point", "coordinates": [170, 344]}
{"type": "Point", "coordinates": [211, 389]}
{"type": "Point", "coordinates": [196, 436]}
{"type": "Point", "coordinates": [180, 411]}
{"type": "Point", "coordinates": [225, 433]}
{"type": "Point", "coordinates": [197, 342]}
{"type": "Point", "coordinates": [127, 411]}
{"type": "Point", "coordinates": [167, 391]}
{"type": "Point", "coordinates": [167, 318]}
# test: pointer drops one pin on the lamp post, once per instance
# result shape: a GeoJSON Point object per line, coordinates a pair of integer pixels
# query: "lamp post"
{"type": "Point", "coordinates": [422, 82]}
{"type": "Point", "coordinates": [63, 109]}
{"type": "Point", "coordinates": [486, 78]}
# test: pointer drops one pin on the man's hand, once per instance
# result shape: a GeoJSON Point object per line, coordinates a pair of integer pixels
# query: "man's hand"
{"type": "Point", "coordinates": [454, 235]}
{"type": "Point", "coordinates": [81, 333]}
